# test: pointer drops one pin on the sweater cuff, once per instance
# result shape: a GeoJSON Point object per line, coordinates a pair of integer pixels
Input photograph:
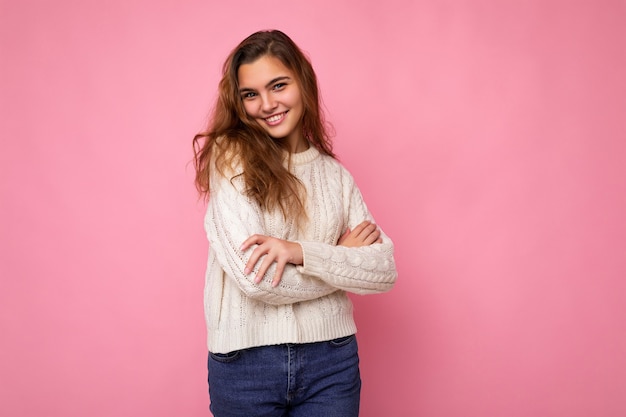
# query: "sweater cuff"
{"type": "Point", "coordinates": [314, 255]}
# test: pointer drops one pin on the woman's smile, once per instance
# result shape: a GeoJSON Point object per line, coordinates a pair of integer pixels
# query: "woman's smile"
{"type": "Point", "coordinates": [275, 119]}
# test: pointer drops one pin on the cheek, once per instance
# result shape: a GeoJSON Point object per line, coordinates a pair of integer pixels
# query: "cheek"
{"type": "Point", "coordinates": [296, 100]}
{"type": "Point", "coordinates": [249, 108]}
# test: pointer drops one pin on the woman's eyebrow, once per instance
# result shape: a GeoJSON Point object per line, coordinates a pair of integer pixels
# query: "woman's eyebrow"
{"type": "Point", "coordinates": [268, 85]}
{"type": "Point", "coordinates": [275, 80]}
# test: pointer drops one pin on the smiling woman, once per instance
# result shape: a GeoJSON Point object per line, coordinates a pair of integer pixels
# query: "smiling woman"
{"type": "Point", "coordinates": [277, 104]}
{"type": "Point", "coordinates": [290, 236]}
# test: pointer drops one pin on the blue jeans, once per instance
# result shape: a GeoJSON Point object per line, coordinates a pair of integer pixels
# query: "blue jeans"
{"type": "Point", "coordinates": [297, 380]}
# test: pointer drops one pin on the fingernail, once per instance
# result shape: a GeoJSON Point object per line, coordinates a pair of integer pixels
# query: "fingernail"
{"type": "Point", "coordinates": [257, 279]}
{"type": "Point", "coordinates": [246, 271]}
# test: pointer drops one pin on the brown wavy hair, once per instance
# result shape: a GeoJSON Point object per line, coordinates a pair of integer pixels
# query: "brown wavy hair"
{"type": "Point", "coordinates": [233, 139]}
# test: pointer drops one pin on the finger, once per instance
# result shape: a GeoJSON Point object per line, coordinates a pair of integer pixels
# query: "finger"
{"type": "Point", "coordinates": [254, 258]}
{"type": "Point", "coordinates": [367, 231]}
{"type": "Point", "coordinates": [344, 236]}
{"type": "Point", "coordinates": [372, 237]}
{"type": "Point", "coordinates": [280, 267]}
{"type": "Point", "coordinates": [359, 228]}
{"type": "Point", "coordinates": [263, 268]}
{"type": "Point", "coordinates": [252, 240]}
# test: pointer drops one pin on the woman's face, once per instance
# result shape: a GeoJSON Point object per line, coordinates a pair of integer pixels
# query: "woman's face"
{"type": "Point", "coordinates": [271, 96]}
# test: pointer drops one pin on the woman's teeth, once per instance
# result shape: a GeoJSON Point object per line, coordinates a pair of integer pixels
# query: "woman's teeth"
{"type": "Point", "coordinates": [275, 118]}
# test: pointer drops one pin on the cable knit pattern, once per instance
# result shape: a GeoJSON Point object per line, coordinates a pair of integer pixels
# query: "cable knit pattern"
{"type": "Point", "coordinates": [310, 303]}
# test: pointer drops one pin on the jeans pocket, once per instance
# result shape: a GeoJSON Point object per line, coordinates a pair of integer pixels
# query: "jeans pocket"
{"type": "Point", "coordinates": [342, 341]}
{"type": "Point", "coordinates": [225, 357]}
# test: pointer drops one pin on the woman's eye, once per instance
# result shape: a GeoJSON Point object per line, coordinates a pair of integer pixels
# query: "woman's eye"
{"type": "Point", "coordinates": [248, 95]}
{"type": "Point", "coordinates": [279, 86]}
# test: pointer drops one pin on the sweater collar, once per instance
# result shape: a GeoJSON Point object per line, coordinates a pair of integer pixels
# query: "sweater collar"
{"type": "Point", "coordinates": [305, 157]}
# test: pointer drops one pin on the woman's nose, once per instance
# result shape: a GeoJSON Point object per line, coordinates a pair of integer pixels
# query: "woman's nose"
{"type": "Point", "coordinates": [268, 104]}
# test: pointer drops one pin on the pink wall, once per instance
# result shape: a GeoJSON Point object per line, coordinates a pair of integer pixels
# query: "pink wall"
{"type": "Point", "coordinates": [488, 138]}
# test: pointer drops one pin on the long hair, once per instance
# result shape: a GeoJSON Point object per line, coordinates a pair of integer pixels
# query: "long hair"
{"type": "Point", "coordinates": [233, 138]}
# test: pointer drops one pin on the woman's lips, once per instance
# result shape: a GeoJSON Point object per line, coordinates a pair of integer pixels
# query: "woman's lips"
{"type": "Point", "coordinates": [275, 119]}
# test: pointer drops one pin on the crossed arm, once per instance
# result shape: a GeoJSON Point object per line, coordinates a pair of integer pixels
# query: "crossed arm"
{"type": "Point", "coordinates": [361, 261]}
{"type": "Point", "coordinates": [284, 252]}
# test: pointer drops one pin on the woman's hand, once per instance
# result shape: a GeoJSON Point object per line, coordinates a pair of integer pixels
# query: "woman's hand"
{"type": "Point", "coordinates": [364, 234]}
{"type": "Point", "coordinates": [283, 251]}
{"type": "Point", "coordinates": [275, 250]}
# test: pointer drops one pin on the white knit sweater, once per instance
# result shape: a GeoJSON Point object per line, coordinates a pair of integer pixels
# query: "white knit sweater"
{"type": "Point", "coordinates": [310, 303]}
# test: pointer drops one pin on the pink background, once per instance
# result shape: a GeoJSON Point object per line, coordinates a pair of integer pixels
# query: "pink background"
{"type": "Point", "coordinates": [488, 137]}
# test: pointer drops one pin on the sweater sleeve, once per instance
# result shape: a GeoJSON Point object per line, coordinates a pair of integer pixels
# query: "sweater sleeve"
{"type": "Point", "coordinates": [230, 219]}
{"type": "Point", "coordinates": [361, 270]}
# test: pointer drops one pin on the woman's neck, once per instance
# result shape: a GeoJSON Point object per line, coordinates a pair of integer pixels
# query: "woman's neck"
{"type": "Point", "coordinates": [297, 143]}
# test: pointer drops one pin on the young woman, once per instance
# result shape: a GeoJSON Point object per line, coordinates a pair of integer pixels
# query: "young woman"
{"type": "Point", "coordinates": [289, 234]}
